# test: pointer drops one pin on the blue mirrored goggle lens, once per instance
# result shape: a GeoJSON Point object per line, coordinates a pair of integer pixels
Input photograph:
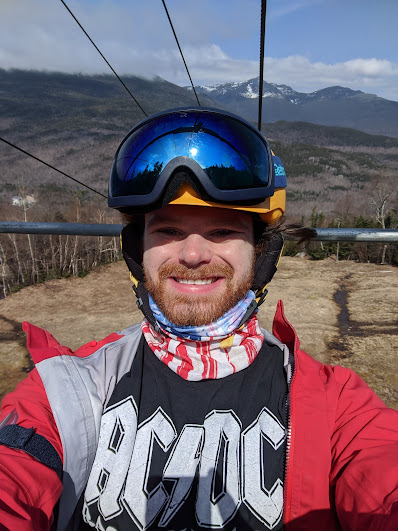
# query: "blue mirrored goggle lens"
{"type": "Point", "coordinates": [232, 155]}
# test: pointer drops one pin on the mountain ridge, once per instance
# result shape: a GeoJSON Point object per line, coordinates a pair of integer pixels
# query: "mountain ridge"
{"type": "Point", "coordinates": [275, 90]}
{"type": "Point", "coordinates": [330, 106]}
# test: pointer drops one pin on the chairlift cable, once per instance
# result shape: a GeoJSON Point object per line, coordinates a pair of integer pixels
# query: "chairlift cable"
{"type": "Point", "coordinates": [179, 47]}
{"type": "Point", "coordinates": [52, 167]}
{"type": "Point", "coordinates": [103, 57]}
{"type": "Point", "coordinates": [262, 39]}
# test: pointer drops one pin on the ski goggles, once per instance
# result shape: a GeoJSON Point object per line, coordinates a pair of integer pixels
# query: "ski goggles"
{"type": "Point", "coordinates": [228, 156]}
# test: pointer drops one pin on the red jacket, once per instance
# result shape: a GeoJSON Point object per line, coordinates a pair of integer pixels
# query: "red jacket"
{"type": "Point", "coordinates": [342, 458]}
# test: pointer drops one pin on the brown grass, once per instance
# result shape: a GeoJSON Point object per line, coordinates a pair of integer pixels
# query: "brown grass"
{"type": "Point", "coordinates": [77, 310]}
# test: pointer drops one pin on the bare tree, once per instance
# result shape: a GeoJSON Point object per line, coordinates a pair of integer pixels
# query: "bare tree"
{"type": "Point", "coordinates": [381, 195]}
{"type": "Point", "coordinates": [3, 260]}
{"type": "Point", "coordinates": [25, 202]}
{"type": "Point", "coordinates": [21, 276]}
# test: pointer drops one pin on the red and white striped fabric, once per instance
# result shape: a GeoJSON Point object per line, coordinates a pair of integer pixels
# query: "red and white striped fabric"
{"type": "Point", "coordinates": [201, 360]}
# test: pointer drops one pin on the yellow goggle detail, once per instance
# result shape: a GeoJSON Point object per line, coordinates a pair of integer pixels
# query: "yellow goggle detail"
{"type": "Point", "coordinates": [270, 210]}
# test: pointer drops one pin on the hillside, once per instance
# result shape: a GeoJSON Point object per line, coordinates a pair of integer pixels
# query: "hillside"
{"type": "Point", "coordinates": [344, 313]}
{"type": "Point", "coordinates": [321, 135]}
{"type": "Point", "coordinates": [71, 102]}
{"type": "Point", "coordinates": [76, 122]}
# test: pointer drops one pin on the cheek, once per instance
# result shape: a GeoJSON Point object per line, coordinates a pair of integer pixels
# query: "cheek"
{"type": "Point", "coordinates": [150, 266]}
{"type": "Point", "coordinates": [154, 257]}
{"type": "Point", "coordinates": [241, 257]}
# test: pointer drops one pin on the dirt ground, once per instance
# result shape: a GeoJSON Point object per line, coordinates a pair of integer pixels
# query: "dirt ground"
{"type": "Point", "coordinates": [344, 313]}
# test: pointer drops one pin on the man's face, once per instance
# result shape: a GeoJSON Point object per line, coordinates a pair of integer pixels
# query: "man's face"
{"type": "Point", "coordinates": [198, 261]}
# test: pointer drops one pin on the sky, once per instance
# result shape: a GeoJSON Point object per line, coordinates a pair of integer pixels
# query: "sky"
{"type": "Point", "coordinates": [309, 44]}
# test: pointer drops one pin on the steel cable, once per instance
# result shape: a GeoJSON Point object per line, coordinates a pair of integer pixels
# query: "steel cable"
{"type": "Point", "coordinates": [50, 166]}
{"type": "Point", "coordinates": [103, 57]}
{"type": "Point", "coordinates": [262, 40]}
{"type": "Point", "coordinates": [179, 47]}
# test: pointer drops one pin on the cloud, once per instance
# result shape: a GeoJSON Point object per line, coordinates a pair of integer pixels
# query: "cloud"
{"type": "Point", "coordinates": [211, 65]}
{"type": "Point", "coordinates": [371, 67]}
{"type": "Point", "coordinates": [283, 8]}
{"type": "Point", "coordinates": [378, 75]}
{"type": "Point", "coordinates": [42, 35]}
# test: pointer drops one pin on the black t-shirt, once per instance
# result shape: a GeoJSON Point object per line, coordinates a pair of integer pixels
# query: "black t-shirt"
{"type": "Point", "coordinates": [179, 455]}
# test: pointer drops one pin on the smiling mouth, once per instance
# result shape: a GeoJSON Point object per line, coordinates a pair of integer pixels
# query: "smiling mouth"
{"type": "Point", "coordinates": [197, 282]}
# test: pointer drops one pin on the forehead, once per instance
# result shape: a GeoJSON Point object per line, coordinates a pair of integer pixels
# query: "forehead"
{"type": "Point", "coordinates": [199, 217]}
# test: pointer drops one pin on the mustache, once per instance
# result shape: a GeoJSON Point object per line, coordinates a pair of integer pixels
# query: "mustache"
{"type": "Point", "coordinates": [201, 272]}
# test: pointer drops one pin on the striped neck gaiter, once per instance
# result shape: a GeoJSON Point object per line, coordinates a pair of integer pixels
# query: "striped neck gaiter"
{"type": "Point", "coordinates": [210, 352]}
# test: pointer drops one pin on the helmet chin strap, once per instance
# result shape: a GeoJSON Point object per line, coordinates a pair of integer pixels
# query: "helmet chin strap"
{"type": "Point", "coordinates": [264, 269]}
{"type": "Point", "coordinates": [132, 254]}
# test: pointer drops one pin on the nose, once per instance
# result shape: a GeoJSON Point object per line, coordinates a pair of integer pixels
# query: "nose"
{"type": "Point", "coordinates": [194, 251]}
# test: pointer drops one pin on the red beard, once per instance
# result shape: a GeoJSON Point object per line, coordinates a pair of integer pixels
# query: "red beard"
{"type": "Point", "coordinates": [197, 310]}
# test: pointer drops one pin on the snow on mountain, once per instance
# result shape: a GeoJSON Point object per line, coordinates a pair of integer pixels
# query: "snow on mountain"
{"type": "Point", "coordinates": [337, 106]}
{"type": "Point", "coordinates": [249, 89]}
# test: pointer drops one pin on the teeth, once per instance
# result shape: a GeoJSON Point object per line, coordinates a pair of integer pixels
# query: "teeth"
{"type": "Point", "coordinates": [199, 282]}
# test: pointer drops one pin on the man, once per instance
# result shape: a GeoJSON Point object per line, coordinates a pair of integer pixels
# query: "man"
{"type": "Point", "coordinates": [197, 418]}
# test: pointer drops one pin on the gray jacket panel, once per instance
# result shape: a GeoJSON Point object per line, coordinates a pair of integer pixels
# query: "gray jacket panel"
{"type": "Point", "coordinates": [288, 358]}
{"type": "Point", "coordinates": [78, 390]}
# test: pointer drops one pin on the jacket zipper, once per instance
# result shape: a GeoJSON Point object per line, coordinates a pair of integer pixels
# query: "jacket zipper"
{"type": "Point", "coordinates": [288, 440]}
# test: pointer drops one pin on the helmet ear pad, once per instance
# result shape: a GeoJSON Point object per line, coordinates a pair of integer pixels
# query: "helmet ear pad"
{"type": "Point", "coordinates": [132, 247]}
{"type": "Point", "coordinates": [267, 262]}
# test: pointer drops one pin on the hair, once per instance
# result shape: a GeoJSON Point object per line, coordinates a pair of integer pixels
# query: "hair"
{"type": "Point", "coordinates": [264, 232]}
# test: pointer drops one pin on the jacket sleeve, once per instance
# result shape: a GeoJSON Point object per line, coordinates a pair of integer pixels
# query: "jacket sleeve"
{"type": "Point", "coordinates": [364, 457]}
{"type": "Point", "coordinates": [29, 490]}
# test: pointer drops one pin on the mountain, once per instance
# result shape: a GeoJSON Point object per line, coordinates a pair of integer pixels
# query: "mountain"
{"type": "Point", "coordinates": [76, 122]}
{"type": "Point", "coordinates": [75, 102]}
{"type": "Point", "coordinates": [334, 106]}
